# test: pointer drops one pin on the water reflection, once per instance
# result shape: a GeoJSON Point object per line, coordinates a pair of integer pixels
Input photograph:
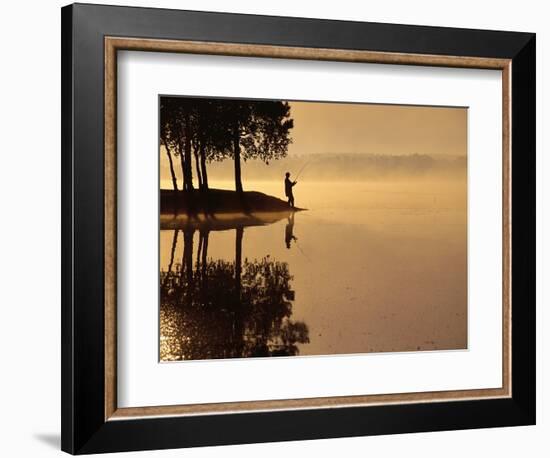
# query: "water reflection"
{"type": "Point", "coordinates": [215, 308]}
{"type": "Point", "coordinates": [289, 231]}
{"type": "Point", "coordinates": [384, 272]}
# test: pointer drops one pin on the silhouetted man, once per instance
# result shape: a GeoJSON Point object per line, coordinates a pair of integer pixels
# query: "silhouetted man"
{"type": "Point", "coordinates": [288, 189]}
{"type": "Point", "coordinates": [289, 231]}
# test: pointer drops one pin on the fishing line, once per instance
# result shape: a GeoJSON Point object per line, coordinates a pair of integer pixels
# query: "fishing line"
{"type": "Point", "coordinates": [302, 169]}
{"type": "Point", "coordinates": [302, 251]}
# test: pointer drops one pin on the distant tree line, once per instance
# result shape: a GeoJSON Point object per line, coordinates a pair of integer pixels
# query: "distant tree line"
{"type": "Point", "coordinates": [353, 167]}
{"type": "Point", "coordinates": [196, 131]}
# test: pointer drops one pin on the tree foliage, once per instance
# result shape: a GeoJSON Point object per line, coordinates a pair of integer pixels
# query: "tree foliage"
{"type": "Point", "coordinates": [220, 129]}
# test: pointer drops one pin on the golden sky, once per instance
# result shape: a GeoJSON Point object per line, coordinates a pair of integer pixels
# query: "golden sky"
{"type": "Point", "coordinates": [377, 129]}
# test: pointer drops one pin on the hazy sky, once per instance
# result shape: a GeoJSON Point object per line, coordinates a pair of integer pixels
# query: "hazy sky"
{"type": "Point", "coordinates": [377, 129]}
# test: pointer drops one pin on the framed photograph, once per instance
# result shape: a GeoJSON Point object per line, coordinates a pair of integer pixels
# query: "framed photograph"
{"type": "Point", "coordinates": [281, 228]}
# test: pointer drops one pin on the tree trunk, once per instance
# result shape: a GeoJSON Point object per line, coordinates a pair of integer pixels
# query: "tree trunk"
{"type": "Point", "coordinates": [198, 261]}
{"type": "Point", "coordinates": [238, 260]}
{"type": "Point", "coordinates": [204, 255]}
{"type": "Point", "coordinates": [238, 319]}
{"type": "Point", "coordinates": [187, 261]}
{"type": "Point", "coordinates": [187, 152]}
{"type": "Point", "coordinates": [172, 171]}
{"type": "Point", "coordinates": [205, 248]}
{"type": "Point", "coordinates": [197, 167]}
{"type": "Point", "coordinates": [203, 167]}
{"type": "Point", "coordinates": [237, 157]}
{"type": "Point", "coordinates": [172, 253]}
{"type": "Point", "coordinates": [183, 174]}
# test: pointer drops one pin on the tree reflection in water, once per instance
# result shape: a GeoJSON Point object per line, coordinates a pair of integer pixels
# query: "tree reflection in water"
{"type": "Point", "coordinates": [218, 309]}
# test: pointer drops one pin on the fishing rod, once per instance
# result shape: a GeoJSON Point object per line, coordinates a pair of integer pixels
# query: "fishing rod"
{"type": "Point", "coordinates": [302, 169]}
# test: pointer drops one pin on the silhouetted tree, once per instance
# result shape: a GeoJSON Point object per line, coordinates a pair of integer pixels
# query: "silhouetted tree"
{"type": "Point", "coordinates": [211, 139]}
{"type": "Point", "coordinates": [215, 129]}
{"type": "Point", "coordinates": [259, 130]}
{"type": "Point", "coordinates": [186, 133]}
{"type": "Point", "coordinates": [167, 136]}
{"type": "Point", "coordinates": [176, 133]}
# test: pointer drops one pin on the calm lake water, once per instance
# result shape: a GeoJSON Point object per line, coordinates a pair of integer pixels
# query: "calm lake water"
{"type": "Point", "coordinates": [369, 267]}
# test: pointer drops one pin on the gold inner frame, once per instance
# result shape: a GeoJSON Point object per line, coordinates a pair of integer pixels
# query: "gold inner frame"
{"type": "Point", "coordinates": [114, 44]}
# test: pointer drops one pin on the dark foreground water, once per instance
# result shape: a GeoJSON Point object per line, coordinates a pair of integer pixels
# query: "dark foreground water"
{"type": "Point", "coordinates": [370, 267]}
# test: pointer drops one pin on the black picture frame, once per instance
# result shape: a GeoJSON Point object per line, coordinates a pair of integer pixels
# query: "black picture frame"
{"type": "Point", "coordinates": [84, 429]}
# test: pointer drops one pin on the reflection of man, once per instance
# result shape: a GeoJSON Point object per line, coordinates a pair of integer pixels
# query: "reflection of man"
{"type": "Point", "coordinates": [288, 189]}
{"type": "Point", "coordinates": [289, 229]}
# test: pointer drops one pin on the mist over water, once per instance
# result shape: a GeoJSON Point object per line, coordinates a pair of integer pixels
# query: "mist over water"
{"type": "Point", "coordinates": [372, 266]}
{"type": "Point", "coordinates": [338, 167]}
